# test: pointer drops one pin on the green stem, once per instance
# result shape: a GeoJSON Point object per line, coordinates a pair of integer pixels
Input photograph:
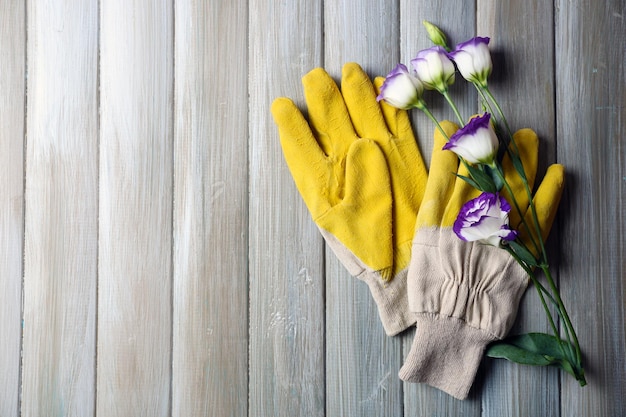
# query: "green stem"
{"type": "Point", "coordinates": [422, 106]}
{"type": "Point", "coordinates": [533, 210]}
{"type": "Point", "coordinates": [498, 108]}
{"type": "Point", "coordinates": [555, 297]}
{"type": "Point", "coordinates": [517, 207]}
{"type": "Point", "coordinates": [540, 291]}
{"type": "Point", "coordinates": [538, 286]}
{"type": "Point", "coordinates": [453, 106]}
{"type": "Point", "coordinates": [563, 311]}
{"type": "Point", "coordinates": [481, 91]}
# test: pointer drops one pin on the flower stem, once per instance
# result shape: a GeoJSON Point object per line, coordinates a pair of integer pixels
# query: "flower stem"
{"type": "Point", "coordinates": [453, 106]}
{"type": "Point", "coordinates": [540, 289]}
{"type": "Point", "coordinates": [555, 296]}
{"type": "Point", "coordinates": [422, 106]}
{"type": "Point", "coordinates": [515, 154]}
{"type": "Point", "coordinates": [518, 209]}
{"type": "Point", "coordinates": [486, 90]}
{"type": "Point", "coordinates": [563, 312]}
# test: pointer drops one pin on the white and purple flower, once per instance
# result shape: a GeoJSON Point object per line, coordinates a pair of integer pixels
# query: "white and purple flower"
{"type": "Point", "coordinates": [434, 68]}
{"type": "Point", "coordinates": [485, 219]}
{"type": "Point", "coordinates": [476, 142]}
{"type": "Point", "coordinates": [473, 60]}
{"type": "Point", "coordinates": [401, 89]}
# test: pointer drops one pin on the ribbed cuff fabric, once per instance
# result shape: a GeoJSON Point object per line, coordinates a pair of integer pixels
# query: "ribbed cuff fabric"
{"type": "Point", "coordinates": [445, 354]}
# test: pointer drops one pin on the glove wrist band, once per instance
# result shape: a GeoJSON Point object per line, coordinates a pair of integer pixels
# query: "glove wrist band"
{"type": "Point", "coordinates": [446, 355]}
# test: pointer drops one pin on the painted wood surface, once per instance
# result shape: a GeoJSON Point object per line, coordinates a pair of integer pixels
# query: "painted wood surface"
{"type": "Point", "coordinates": [156, 258]}
{"type": "Point", "coordinates": [61, 210]}
{"type": "Point", "coordinates": [12, 125]}
{"type": "Point", "coordinates": [210, 289]}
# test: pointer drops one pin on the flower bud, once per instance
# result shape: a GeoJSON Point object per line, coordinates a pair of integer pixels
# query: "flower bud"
{"type": "Point", "coordinates": [401, 89]}
{"type": "Point", "coordinates": [485, 219]}
{"type": "Point", "coordinates": [436, 35]}
{"type": "Point", "coordinates": [473, 60]}
{"type": "Point", "coordinates": [476, 142]}
{"type": "Point", "coordinates": [434, 68]}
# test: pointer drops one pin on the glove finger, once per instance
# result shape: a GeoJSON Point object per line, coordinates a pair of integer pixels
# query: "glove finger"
{"type": "Point", "coordinates": [408, 178]}
{"type": "Point", "coordinates": [306, 161]}
{"type": "Point", "coordinates": [328, 114]}
{"type": "Point", "coordinates": [441, 179]}
{"type": "Point", "coordinates": [462, 193]}
{"type": "Point", "coordinates": [360, 96]}
{"type": "Point", "coordinates": [546, 201]}
{"type": "Point", "coordinates": [397, 120]}
{"type": "Point", "coordinates": [527, 146]}
{"type": "Point", "coordinates": [362, 222]}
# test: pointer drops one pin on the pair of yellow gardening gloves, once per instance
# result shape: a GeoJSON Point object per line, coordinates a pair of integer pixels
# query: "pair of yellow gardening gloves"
{"type": "Point", "coordinates": [358, 168]}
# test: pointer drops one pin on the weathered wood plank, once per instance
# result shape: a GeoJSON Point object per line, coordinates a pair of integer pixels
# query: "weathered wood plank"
{"type": "Point", "coordinates": [522, 42]}
{"type": "Point", "coordinates": [12, 82]}
{"type": "Point", "coordinates": [285, 250]}
{"type": "Point", "coordinates": [135, 268]}
{"type": "Point", "coordinates": [362, 362]}
{"type": "Point", "coordinates": [458, 22]}
{"type": "Point", "coordinates": [61, 234]}
{"type": "Point", "coordinates": [210, 342]}
{"type": "Point", "coordinates": [590, 60]}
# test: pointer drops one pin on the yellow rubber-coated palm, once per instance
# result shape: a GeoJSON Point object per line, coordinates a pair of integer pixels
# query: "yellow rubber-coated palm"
{"type": "Point", "coordinates": [446, 193]}
{"type": "Point", "coordinates": [319, 152]}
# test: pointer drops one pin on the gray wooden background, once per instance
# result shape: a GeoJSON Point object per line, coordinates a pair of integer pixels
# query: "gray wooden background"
{"type": "Point", "coordinates": [156, 258]}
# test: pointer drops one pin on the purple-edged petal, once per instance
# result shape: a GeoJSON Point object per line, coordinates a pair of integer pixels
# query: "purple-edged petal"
{"type": "Point", "coordinates": [484, 219]}
{"type": "Point", "coordinates": [473, 60]}
{"type": "Point", "coordinates": [401, 89]}
{"type": "Point", "coordinates": [434, 68]}
{"type": "Point", "coordinates": [476, 142]}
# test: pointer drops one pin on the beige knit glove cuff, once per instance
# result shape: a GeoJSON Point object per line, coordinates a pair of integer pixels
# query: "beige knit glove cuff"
{"type": "Point", "coordinates": [391, 300]}
{"type": "Point", "coordinates": [465, 295]}
{"type": "Point", "coordinates": [445, 354]}
{"type": "Point", "coordinates": [390, 297]}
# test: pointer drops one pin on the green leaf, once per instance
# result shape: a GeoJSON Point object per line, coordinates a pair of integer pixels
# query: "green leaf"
{"type": "Point", "coordinates": [536, 349]}
{"type": "Point", "coordinates": [517, 163]}
{"type": "Point", "coordinates": [523, 253]}
{"type": "Point", "coordinates": [502, 350]}
{"type": "Point", "coordinates": [497, 179]}
{"type": "Point", "coordinates": [469, 181]}
{"type": "Point", "coordinates": [484, 181]}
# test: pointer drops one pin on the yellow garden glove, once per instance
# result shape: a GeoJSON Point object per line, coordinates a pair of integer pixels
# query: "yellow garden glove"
{"type": "Point", "coordinates": [356, 164]}
{"type": "Point", "coordinates": [464, 294]}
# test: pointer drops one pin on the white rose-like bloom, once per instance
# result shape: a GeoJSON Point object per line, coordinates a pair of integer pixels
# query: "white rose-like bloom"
{"type": "Point", "coordinates": [485, 219]}
{"type": "Point", "coordinates": [434, 68]}
{"type": "Point", "coordinates": [473, 60]}
{"type": "Point", "coordinates": [401, 89]}
{"type": "Point", "coordinates": [476, 142]}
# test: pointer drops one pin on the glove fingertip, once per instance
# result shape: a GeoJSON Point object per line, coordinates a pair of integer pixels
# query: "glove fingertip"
{"type": "Point", "coordinates": [314, 76]}
{"type": "Point", "coordinates": [546, 201]}
{"type": "Point", "coordinates": [351, 69]}
{"type": "Point", "coordinates": [281, 108]}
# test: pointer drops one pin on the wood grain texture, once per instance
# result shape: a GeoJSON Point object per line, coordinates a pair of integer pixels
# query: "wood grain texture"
{"type": "Point", "coordinates": [590, 63]}
{"type": "Point", "coordinates": [12, 112]}
{"type": "Point", "coordinates": [458, 22]}
{"type": "Point", "coordinates": [60, 258]}
{"type": "Point", "coordinates": [210, 343]}
{"type": "Point", "coordinates": [156, 258]}
{"type": "Point", "coordinates": [285, 250]}
{"type": "Point", "coordinates": [362, 363]}
{"type": "Point", "coordinates": [135, 261]}
{"type": "Point", "coordinates": [523, 81]}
